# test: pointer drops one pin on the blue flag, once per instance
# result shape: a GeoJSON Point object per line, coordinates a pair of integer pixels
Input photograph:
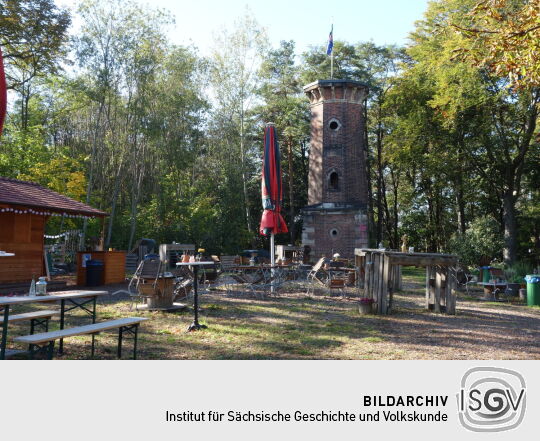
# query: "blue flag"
{"type": "Point", "coordinates": [330, 41]}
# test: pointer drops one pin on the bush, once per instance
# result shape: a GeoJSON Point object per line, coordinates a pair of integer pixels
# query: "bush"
{"type": "Point", "coordinates": [482, 240]}
{"type": "Point", "coordinates": [517, 272]}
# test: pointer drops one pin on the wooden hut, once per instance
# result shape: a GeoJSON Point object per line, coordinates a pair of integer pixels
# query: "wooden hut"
{"type": "Point", "coordinates": [25, 208]}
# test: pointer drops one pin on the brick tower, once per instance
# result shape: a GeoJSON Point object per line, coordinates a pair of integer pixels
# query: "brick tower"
{"type": "Point", "coordinates": [335, 220]}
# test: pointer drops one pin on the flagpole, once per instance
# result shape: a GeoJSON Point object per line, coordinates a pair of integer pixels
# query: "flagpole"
{"type": "Point", "coordinates": [332, 54]}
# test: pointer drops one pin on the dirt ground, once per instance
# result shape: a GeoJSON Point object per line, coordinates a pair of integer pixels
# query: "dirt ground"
{"type": "Point", "coordinates": [295, 326]}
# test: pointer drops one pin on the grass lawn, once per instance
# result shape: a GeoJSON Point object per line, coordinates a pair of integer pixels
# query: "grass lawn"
{"type": "Point", "coordinates": [295, 326]}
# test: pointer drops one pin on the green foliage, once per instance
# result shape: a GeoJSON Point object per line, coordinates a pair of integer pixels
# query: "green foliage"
{"type": "Point", "coordinates": [20, 150]}
{"type": "Point", "coordinates": [61, 174]}
{"type": "Point", "coordinates": [170, 143]}
{"type": "Point", "coordinates": [517, 272]}
{"type": "Point", "coordinates": [504, 37]}
{"type": "Point", "coordinates": [481, 240]}
{"type": "Point", "coordinates": [33, 35]}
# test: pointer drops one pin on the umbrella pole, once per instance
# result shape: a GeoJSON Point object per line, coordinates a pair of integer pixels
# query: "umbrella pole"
{"type": "Point", "coordinates": [272, 261]}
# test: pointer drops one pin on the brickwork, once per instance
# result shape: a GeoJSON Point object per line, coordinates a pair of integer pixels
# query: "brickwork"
{"type": "Point", "coordinates": [328, 232]}
{"type": "Point", "coordinates": [335, 219]}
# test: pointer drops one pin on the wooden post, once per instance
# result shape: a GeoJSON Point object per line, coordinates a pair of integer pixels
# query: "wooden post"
{"type": "Point", "coordinates": [368, 270]}
{"type": "Point", "coordinates": [444, 291]}
{"type": "Point", "coordinates": [383, 283]}
{"type": "Point", "coordinates": [47, 269]}
{"type": "Point", "coordinates": [375, 284]}
{"type": "Point", "coordinates": [388, 287]}
{"type": "Point", "coordinates": [428, 278]}
{"type": "Point", "coordinates": [451, 284]}
{"type": "Point", "coordinates": [438, 286]}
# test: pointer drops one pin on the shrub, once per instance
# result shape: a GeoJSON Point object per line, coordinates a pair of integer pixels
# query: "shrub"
{"type": "Point", "coordinates": [482, 239]}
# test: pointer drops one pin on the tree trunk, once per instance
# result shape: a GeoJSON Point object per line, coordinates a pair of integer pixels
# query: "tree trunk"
{"type": "Point", "coordinates": [116, 190]}
{"type": "Point", "coordinates": [380, 215]}
{"type": "Point", "coordinates": [90, 181]}
{"type": "Point", "coordinates": [510, 228]}
{"type": "Point", "coordinates": [292, 228]}
{"type": "Point", "coordinates": [458, 183]}
{"type": "Point", "coordinates": [395, 190]}
{"type": "Point", "coordinates": [371, 220]}
{"type": "Point", "coordinates": [134, 205]}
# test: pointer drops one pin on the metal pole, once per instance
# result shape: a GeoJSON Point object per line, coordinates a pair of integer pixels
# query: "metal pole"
{"type": "Point", "coordinates": [119, 350]}
{"type": "Point", "coordinates": [62, 314]}
{"type": "Point", "coordinates": [272, 262]}
{"type": "Point", "coordinates": [332, 53]}
{"type": "Point", "coordinates": [196, 296]}
{"type": "Point", "coordinates": [195, 326]}
{"type": "Point", "coordinates": [4, 333]}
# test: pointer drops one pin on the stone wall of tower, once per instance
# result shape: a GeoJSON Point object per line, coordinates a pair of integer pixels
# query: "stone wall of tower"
{"type": "Point", "coordinates": [351, 228]}
{"type": "Point", "coordinates": [336, 219]}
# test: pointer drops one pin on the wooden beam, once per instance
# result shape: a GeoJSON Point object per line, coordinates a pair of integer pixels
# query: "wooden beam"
{"type": "Point", "coordinates": [438, 287]}
{"type": "Point", "coordinates": [429, 271]}
{"type": "Point", "coordinates": [368, 275]}
{"type": "Point", "coordinates": [387, 293]}
{"type": "Point", "coordinates": [451, 305]}
{"type": "Point", "coordinates": [405, 260]}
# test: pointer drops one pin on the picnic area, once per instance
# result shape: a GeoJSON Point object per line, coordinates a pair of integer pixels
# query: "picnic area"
{"type": "Point", "coordinates": [295, 326]}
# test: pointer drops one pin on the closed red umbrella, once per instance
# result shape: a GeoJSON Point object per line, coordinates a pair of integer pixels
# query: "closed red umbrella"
{"type": "Point", "coordinates": [3, 93]}
{"type": "Point", "coordinates": [272, 191]}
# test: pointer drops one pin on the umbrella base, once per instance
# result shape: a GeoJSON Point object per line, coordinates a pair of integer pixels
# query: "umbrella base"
{"type": "Point", "coordinates": [196, 327]}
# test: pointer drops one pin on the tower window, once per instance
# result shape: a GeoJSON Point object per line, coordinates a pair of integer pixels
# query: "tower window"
{"type": "Point", "coordinates": [334, 233]}
{"type": "Point", "coordinates": [333, 181]}
{"type": "Point", "coordinates": [334, 125]}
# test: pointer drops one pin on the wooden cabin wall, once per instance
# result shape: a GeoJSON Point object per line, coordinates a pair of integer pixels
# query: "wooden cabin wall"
{"type": "Point", "coordinates": [114, 270]}
{"type": "Point", "coordinates": [21, 234]}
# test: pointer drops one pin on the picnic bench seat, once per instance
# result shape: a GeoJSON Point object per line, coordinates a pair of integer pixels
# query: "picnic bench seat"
{"type": "Point", "coordinates": [45, 340]}
{"type": "Point", "coordinates": [36, 318]}
{"type": "Point", "coordinates": [30, 316]}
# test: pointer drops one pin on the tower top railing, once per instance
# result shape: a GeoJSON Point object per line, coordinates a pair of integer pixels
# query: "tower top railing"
{"type": "Point", "coordinates": [350, 91]}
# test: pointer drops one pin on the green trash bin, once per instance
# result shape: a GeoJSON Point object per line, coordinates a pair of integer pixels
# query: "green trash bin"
{"type": "Point", "coordinates": [486, 275]}
{"type": "Point", "coordinates": [533, 290]}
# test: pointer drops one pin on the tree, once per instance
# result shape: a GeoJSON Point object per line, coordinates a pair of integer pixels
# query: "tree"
{"type": "Point", "coordinates": [380, 66]}
{"type": "Point", "coordinates": [504, 37]}
{"type": "Point", "coordinates": [235, 62]}
{"type": "Point", "coordinates": [119, 47]}
{"type": "Point", "coordinates": [479, 121]}
{"type": "Point", "coordinates": [33, 35]}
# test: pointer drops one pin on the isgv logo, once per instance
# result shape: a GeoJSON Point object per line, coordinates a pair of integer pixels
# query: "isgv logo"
{"type": "Point", "coordinates": [491, 399]}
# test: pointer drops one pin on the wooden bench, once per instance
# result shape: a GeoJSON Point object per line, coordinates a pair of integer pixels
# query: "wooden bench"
{"type": "Point", "coordinates": [45, 341]}
{"type": "Point", "coordinates": [32, 316]}
{"type": "Point", "coordinates": [36, 318]}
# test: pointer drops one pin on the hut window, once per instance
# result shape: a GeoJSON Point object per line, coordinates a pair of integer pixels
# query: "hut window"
{"type": "Point", "coordinates": [333, 181]}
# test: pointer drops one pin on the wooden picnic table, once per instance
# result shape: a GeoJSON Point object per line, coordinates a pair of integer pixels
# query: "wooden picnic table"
{"type": "Point", "coordinates": [491, 288]}
{"type": "Point", "coordinates": [72, 298]}
{"type": "Point", "coordinates": [380, 266]}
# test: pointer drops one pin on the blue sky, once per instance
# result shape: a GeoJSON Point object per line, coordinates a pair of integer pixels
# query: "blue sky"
{"type": "Point", "coordinates": [307, 22]}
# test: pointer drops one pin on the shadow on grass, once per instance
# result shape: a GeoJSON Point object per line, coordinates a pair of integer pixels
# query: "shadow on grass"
{"type": "Point", "coordinates": [294, 326]}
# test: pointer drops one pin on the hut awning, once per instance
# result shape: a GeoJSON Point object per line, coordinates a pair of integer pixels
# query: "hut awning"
{"type": "Point", "coordinates": [35, 197]}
